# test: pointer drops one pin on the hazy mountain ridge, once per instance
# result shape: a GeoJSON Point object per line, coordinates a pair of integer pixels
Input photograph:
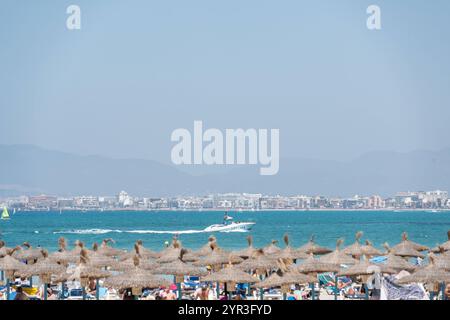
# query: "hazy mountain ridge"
{"type": "Point", "coordinates": [26, 169]}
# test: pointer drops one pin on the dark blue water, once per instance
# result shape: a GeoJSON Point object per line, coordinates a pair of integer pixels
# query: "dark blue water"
{"type": "Point", "coordinates": [44, 228]}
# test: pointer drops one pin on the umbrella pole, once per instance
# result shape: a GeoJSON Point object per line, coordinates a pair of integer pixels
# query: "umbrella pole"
{"type": "Point", "coordinates": [8, 289]}
{"type": "Point", "coordinates": [31, 281]}
{"type": "Point", "coordinates": [178, 287]}
{"type": "Point", "coordinates": [61, 296]}
{"type": "Point", "coordinates": [443, 290]}
{"type": "Point", "coordinates": [97, 289]}
{"type": "Point", "coordinates": [261, 294]}
{"type": "Point", "coordinates": [313, 294]}
{"type": "Point", "coordinates": [335, 287]}
{"type": "Point", "coordinates": [366, 292]}
{"type": "Point", "coordinates": [218, 290]}
{"type": "Point", "coordinates": [45, 291]}
{"type": "Point", "coordinates": [84, 293]}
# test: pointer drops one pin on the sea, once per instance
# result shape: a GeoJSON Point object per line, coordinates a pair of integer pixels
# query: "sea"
{"type": "Point", "coordinates": [155, 228]}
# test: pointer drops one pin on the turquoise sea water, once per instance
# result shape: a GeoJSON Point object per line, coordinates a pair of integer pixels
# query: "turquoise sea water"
{"type": "Point", "coordinates": [125, 227]}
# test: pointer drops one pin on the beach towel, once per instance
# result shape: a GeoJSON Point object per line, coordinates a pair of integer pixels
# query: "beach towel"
{"type": "Point", "coordinates": [391, 291]}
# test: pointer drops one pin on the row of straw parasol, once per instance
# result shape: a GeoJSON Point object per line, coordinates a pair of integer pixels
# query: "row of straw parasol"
{"type": "Point", "coordinates": [270, 266]}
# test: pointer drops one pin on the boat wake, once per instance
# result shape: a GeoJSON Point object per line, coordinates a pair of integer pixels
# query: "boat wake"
{"type": "Point", "coordinates": [105, 231]}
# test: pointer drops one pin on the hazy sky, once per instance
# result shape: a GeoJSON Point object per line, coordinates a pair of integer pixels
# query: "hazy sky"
{"type": "Point", "coordinates": [137, 70]}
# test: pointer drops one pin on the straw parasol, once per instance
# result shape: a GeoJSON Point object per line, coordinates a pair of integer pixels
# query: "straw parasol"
{"type": "Point", "coordinates": [206, 249]}
{"type": "Point", "coordinates": [443, 260]}
{"type": "Point", "coordinates": [259, 262]}
{"type": "Point", "coordinates": [129, 264]}
{"type": "Point", "coordinates": [312, 247]}
{"type": "Point", "coordinates": [230, 274]}
{"type": "Point", "coordinates": [337, 257]}
{"type": "Point", "coordinates": [83, 271]}
{"type": "Point", "coordinates": [365, 267]}
{"type": "Point", "coordinates": [64, 256]}
{"type": "Point", "coordinates": [180, 268]}
{"type": "Point", "coordinates": [369, 250]}
{"type": "Point", "coordinates": [144, 252]}
{"type": "Point", "coordinates": [272, 248]}
{"type": "Point", "coordinates": [406, 249]}
{"type": "Point", "coordinates": [170, 254]}
{"type": "Point", "coordinates": [44, 268]}
{"type": "Point", "coordinates": [218, 257]}
{"type": "Point", "coordinates": [356, 248]}
{"type": "Point", "coordinates": [313, 266]}
{"type": "Point", "coordinates": [247, 252]}
{"type": "Point", "coordinates": [288, 252]}
{"type": "Point", "coordinates": [431, 274]}
{"type": "Point", "coordinates": [9, 264]}
{"type": "Point", "coordinates": [445, 246]}
{"type": "Point", "coordinates": [99, 260]}
{"type": "Point", "coordinates": [405, 243]}
{"type": "Point", "coordinates": [136, 279]}
{"type": "Point", "coordinates": [108, 251]}
{"type": "Point", "coordinates": [396, 262]}
{"type": "Point", "coordinates": [4, 251]}
{"type": "Point", "coordinates": [30, 254]}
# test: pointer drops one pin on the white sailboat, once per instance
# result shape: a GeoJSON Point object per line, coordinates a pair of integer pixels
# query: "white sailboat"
{"type": "Point", "coordinates": [5, 214]}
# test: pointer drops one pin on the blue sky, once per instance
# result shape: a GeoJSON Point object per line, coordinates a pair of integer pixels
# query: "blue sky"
{"type": "Point", "coordinates": [137, 70]}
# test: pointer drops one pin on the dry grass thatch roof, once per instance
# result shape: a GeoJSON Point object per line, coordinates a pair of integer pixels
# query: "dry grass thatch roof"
{"type": "Point", "coordinates": [312, 247]}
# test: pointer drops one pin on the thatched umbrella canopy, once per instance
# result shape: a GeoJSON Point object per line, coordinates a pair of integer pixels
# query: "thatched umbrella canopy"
{"type": "Point", "coordinates": [145, 252]}
{"type": "Point", "coordinates": [247, 252]}
{"type": "Point", "coordinates": [365, 267]}
{"type": "Point", "coordinates": [396, 262]}
{"type": "Point", "coordinates": [405, 244]}
{"type": "Point", "coordinates": [230, 274]}
{"type": "Point", "coordinates": [99, 260]}
{"type": "Point", "coordinates": [431, 274]}
{"type": "Point", "coordinates": [64, 256]}
{"type": "Point", "coordinates": [4, 250]}
{"type": "Point", "coordinates": [356, 248]}
{"type": "Point", "coordinates": [136, 278]}
{"type": "Point", "coordinates": [369, 250]}
{"type": "Point", "coordinates": [273, 281]}
{"type": "Point", "coordinates": [10, 264]}
{"type": "Point", "coordinates": [313, 266]}
{"type": "Point", "coordinates": [259, 262]}
{"type": "Point", "coordinates": [108, 251]}
{"type": "Point", "coordinates": [171, 253]}
{"type": "Point", "coordinates": [299, 278]}
{"type": "Point", "coordinates": [45, 267]}
{"type": "Point", "coordinates": [218, 257]}
{"type": "Point", "coordinates": [337, 257]}
{"type": "Point", "coordinates": [130, 263]}
{"type": "Point", "coordinates": [280, 279]}
{"type": "Point", "coordinates": [83, 271]}
{"type": "Point", "coordinates": [443, 260]}
{"type": "Point", "coordinates": [444, 246]}
{"type": "Point", "coordinates": [272, 248]}
{"type": "Point", "coordinates": [29, 254]}
{"type": "Point", "coordinates": [179, 268]}
{"type": "Point", "coordinates": [288, 252]}
{"type": "Point", "coordinates": [312, 247]}
{"type": "Point", "coordinates": [406, 249]}
{"type": "Point", "coordinates": [206, 249]}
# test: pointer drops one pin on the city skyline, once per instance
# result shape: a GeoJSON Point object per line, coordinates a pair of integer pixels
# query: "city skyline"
{"type": "Point", "coordinates": [409, 200]}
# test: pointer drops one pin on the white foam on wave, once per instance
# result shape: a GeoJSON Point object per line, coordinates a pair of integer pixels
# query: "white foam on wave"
{"type": "Point", "coordinates": [88, 231]}
{"type": "Point", "coordinates": [105, 231]}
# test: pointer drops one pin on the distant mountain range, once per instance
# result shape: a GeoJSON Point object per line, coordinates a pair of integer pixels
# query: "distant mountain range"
{"type": "Point", "coordinates": [26, 169]}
